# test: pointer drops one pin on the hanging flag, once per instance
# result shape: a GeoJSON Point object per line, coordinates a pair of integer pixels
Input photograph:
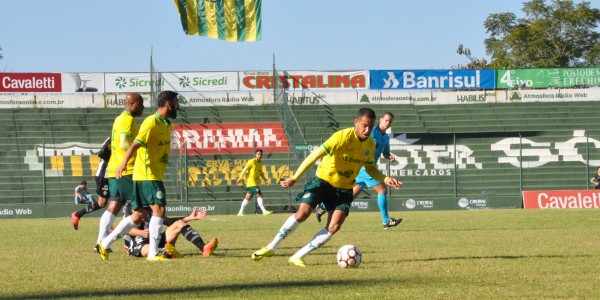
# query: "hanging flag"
{"type": "Point", "coordinates": [229, 20]}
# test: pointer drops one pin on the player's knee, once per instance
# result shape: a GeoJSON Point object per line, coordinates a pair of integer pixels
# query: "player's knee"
{"type": "Point", "coordinates": [333, 228]}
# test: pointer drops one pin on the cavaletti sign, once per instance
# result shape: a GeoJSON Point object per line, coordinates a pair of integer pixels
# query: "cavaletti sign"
{"type": "Point", "coordinates": [561, 199]}
{"type": "Point", "coordinates": [30, 82]}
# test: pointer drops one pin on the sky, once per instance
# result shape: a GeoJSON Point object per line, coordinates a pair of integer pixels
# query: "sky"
{"type": "Point", "coordinates": [326, 35]}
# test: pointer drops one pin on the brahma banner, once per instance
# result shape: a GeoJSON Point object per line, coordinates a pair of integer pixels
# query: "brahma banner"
{"type": "Point", "coordinates": [561, 199]}
{"type": "Point", "coordinates": [238, 138]}
{"type": "Point", "coordinates": [30, 82]}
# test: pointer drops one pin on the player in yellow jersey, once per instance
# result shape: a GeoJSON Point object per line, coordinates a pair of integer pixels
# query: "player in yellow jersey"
{"type": "Point", "coordinates": [152, 147]}
{"type": "Point", "coordinates": [254, 169]}
{"type": "Point", "coordinates": [343, 154]}
{"type": "Point", "coordinates": [124, 130]}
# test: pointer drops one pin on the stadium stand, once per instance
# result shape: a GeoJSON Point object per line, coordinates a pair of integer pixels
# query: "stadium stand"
{"type": "Point", "coordinates": [425, 137]}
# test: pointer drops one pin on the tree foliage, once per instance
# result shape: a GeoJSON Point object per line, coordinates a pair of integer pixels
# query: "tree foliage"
{"type": "Point", "coordinates": [474, 62]}
{"type": "Point", "coordinates": [558, 34]}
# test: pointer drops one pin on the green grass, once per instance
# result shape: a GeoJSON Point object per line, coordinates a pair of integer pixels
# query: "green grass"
{"type": "Point", "coordinates": [485, 254]}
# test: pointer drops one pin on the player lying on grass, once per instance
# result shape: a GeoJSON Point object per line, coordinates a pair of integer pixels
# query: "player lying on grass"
{"type": "Point", "coordinates": [137, 242]}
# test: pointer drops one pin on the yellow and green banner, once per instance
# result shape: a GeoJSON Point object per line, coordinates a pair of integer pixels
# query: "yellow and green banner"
{"type": "Point", "coordinates": [229, 20]}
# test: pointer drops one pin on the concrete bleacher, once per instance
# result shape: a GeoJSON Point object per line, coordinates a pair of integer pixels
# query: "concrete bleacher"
{"type": "Point", "coordinates": [476, 126]}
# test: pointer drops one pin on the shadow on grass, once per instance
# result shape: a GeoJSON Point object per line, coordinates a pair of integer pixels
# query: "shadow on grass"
{"type": "Point", "coordinates": [154, 292]}
{"type": "Point", "coordinates": [478, 257]}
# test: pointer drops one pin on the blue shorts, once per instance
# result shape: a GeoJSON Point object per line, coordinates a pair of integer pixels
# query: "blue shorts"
{"type": "Point", "coordinates": [365, 180]}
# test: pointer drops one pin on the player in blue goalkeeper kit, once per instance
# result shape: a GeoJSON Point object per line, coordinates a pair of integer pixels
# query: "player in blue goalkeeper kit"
{"type": "Point", "coordinates": [363, 179]}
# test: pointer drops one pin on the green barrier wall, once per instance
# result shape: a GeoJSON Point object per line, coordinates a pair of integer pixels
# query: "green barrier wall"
{"type": "Point", "coordinates": [471, 156]}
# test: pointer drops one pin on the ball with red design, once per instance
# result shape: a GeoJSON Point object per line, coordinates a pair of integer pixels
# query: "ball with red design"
{"type": "Point", "coordinates": [349, 256]}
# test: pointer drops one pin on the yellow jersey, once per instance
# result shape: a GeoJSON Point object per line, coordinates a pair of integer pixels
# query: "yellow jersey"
{"type": "Point", "coordinates": [124, 124]}
{"type": "Point", "coordinates": [153, 155]}
{"type": "Point", "coordinates": [346, 154]}
{"type": "Point", "coordinates": [255, 173]}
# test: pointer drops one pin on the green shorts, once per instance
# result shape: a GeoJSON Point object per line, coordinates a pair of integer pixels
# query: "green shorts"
{"type": "Point", "coordinates": [319, 191]}
{"type": "Point", "coordinates": [121, 189]}
{"type": "Point", "coordinates": [253, 190]}
{"type": "Point", "coordinates": [146, 193]}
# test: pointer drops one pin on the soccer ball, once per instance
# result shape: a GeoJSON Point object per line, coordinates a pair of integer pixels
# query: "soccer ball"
{"type": "Point", "coordinates": [349, 256]}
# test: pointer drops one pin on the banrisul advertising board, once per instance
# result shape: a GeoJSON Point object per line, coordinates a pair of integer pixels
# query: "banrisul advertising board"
{"type": "Point", "coordinates": [545, 78]}
{"type": "Point", "coordinates": [432, 79]}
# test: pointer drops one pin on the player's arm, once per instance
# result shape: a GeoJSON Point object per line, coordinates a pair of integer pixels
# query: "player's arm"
{"type": "Point", "coordinates": [239, 181]}
{"type": "Point", "coordinates": [377, 175]}
{"type": "Point", "coordinates": [138, 232]}
{"type": "Point", "coordinates": [262, 175]}
{"type": "Point", "coordinates": [386, 152]}
{"type": "Point", "coordinates": [308, 162]}
{"type": "Point", "coordinates": [593, 180]}
{"type": "Point", "coordinates": [125, 141]}
{"type": "Point", "coordinates": [136, 145]}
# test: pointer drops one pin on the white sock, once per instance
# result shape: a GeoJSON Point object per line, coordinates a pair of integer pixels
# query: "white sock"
{"type": "Point", "coordinates": [288, 227]}
{"type": "Point", "coordinates": [244, 204]}
{"type": "Point", "coordinates": [155, 232]}
{"type": "Point", "coordinates": [122, 229]}
{"type": "Point", "coordinates": [322, 231]}
{"type": "Point", "coordinates": [319, 240]}
{"type": "Point", "coordinates": [106, 221]}
{"type": "Point", "coordinates": [259, 201]}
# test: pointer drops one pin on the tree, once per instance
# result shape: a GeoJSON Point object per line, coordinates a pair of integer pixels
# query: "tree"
{"type": "Point", "coordinates": [560, 34]}
{"type": "Point", "coordinates": [474, 62]}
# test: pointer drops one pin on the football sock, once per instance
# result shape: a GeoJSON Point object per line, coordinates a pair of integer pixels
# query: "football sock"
{"type": "Point", "coordinates": [122, 229]}
{"type": "Point", "coordinates": [319, 240]}
{"type": "Point", "coordinates": [259, 201]}
{"type": "Point", "coordinates": [382, 203]}
{"type": "Point", "coordinates": [88, 209]}
{"type": "Point", "coordinates": [244, 204]}
{"type": "Point", "coordinates": [106, 221]}
{"type": "Point", "coordinates": [288, 227]}
{"type": "Point", "coordinates": [322, 231]}
{"type": "Point", "coordinates": [192, 235]}
{"type": "Point", "coordinates": [155, 232]}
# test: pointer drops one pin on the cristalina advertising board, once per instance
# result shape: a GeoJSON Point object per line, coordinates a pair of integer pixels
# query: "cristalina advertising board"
{"type": "Point", "coordinates": [561, 199]}
{"type": "Point", "coordinates": [311, 80]}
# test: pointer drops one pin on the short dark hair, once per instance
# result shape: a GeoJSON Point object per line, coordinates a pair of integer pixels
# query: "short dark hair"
{"type": "Point", "coordinates": [83, 182]}
{"type": "Point", "coordinates": [365, 112]}
{"type": "Point", "coordinates": [166, 96]}
{"type": "Point", "coordinates": [388, 113]}
{"type": "Point", "coordinates": [258, 150]}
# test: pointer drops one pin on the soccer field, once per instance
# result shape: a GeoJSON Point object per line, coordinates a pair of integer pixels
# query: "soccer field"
{"type": "Point", "coordinates": [477, 254]}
